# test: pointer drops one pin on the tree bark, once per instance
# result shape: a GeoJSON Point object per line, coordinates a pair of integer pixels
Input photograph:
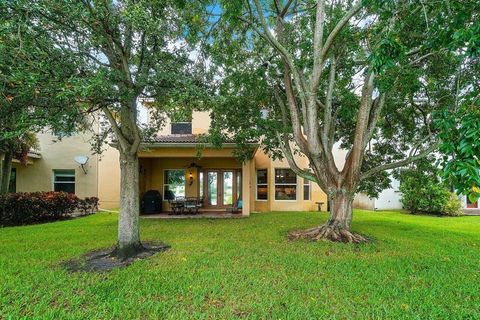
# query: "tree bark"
{"type": "Point", "coordinates": [6, 172]}
{"type": "Point", "coordinates": [337, 228]}
{"type": "Point", "coordinates": [128, 221]}
{"type": "Point", "coordinates": [1, 170]}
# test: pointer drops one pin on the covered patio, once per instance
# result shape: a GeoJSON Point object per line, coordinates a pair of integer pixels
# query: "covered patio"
{"type": "Point", "coordinates": [201, 215]}
{"type": "Point", "coordinates": [194, 180]}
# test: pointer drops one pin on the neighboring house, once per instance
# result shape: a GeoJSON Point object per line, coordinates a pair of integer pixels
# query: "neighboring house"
{"type": "Point", "coordinates": [389, 199]}
{"type": "Point", "coordinates": [470, 206]}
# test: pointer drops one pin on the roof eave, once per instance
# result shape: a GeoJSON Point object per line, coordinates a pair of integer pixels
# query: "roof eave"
{"type": "Point", "coordinates": [191, 145]}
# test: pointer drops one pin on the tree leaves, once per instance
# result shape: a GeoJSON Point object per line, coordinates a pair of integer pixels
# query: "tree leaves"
{"type": "Point", "coordinates": [460, 133]}
{"type": "Point", "coordinates": [386, 54]}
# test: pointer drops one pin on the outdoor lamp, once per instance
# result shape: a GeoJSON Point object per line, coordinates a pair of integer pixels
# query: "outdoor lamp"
{"type": "Point", "coordinates": [190, 179]}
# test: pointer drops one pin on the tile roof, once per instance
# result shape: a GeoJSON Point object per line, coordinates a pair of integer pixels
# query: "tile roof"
{"type": "Point", "coordinates": [178, 138]}
{"type": "Point", "coordinates": [173, 138]}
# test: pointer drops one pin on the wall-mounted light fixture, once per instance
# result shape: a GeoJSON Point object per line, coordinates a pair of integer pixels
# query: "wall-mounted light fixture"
{"type": "Point", "coordinates": [190, 178]}
{"type": "Point", "coordinates": [190, 167]}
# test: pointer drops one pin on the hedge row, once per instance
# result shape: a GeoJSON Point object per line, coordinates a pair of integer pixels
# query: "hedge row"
{"type": "Point", "coordinates": [34, 207]}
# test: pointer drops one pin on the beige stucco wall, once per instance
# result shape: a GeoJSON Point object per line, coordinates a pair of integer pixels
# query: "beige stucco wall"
{"type": "Point", "coordinates": [59, 154]}
{"type": "Point", "coordinates": [109, 179]}
{"type": "Point", "coordinates": [200, 122]}
{"type": "Point", "coordinates": [262, 161]}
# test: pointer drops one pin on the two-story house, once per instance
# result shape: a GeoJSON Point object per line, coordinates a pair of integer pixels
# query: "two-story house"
{"type": "Point", "coordinates": [174, 162]}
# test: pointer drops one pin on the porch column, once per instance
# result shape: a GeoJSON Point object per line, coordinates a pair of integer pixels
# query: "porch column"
{"type": "Point", "coordinates": [247, 171]}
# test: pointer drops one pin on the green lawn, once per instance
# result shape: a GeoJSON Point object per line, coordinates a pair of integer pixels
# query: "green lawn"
{"type": "Point", "coordinates": [417, 267]}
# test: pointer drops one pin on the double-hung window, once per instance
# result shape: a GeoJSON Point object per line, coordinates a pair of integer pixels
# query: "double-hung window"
{"type": "Point", "coordinates": [64, 180]}
{"type": "Point", "coordinates": [285, 184]}
{"type": "Point", "coordinates": [262, 184]}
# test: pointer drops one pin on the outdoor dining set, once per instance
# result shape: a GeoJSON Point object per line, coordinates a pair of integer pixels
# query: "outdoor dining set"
{"type": "Point", "coordinates": [185, 205]}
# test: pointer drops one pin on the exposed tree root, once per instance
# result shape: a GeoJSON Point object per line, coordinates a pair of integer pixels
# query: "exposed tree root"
{"type": "Point", "coordinates": [328, 232]}
{"type": "Point", "coordinates": [128, 251]}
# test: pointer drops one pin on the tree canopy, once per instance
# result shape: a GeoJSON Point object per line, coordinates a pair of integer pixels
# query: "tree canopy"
{"type": "Point", "coordinates": [368, 76]}
{"type": "Point", "coordinates": [118, 53]}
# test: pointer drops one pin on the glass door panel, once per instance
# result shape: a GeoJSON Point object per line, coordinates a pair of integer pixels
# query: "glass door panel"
{"type": "Point", "coordinates": [200, 184]}
{"type": "Point", "coordinates": [227, 188]}
{"type": "Point", "coordinates": [212, 188]}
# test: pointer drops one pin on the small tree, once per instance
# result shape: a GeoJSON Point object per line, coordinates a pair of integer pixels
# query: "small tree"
{"type": "Point", "coordinates": [121, 51]}
{"type": "Point", "coordinates": [368, 76]}
{"type": "Point", "coordinates": [16, 148]}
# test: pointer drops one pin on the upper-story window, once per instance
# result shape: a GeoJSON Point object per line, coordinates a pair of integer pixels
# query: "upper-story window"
{"type": "Point", "coordinates": [181, 127]}
{"type": "Point", "coordinates": [181, 121]}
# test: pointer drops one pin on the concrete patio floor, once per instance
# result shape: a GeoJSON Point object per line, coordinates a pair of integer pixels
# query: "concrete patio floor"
{"type": "Point", "coordinates": [471, 212]}
{"type": "Point", "coordinates": [201, 215]}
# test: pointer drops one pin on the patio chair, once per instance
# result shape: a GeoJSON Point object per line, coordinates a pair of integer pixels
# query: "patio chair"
{"type": "Point", "coordinates": [191, 205]}
{"type": "Point", "coordinates": [177, 205]}
{"type": "Point", "coordinates": [200, 202]}
{"type": "Point", "coordinates": [237, 207]}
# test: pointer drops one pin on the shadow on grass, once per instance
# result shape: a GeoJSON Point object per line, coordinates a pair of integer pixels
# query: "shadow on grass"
{"type": "Point", "coordinates": [103, 260]}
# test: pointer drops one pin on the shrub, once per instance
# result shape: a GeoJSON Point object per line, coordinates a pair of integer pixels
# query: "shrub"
{"type": "Point", "coordinates": [34, 207]}
{"type": "Point", "coordinates": [88, 205]}
{"type": "Point", "coordinates": [453, 206]}
{"type": "Point", "coordinates": [425, 194]}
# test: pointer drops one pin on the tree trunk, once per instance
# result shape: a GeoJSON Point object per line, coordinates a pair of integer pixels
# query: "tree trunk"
{"type": "Point", "coordinates": [128, 229]}
{"type": "Point", "coordinates": [340, 210]}
{"type": "Point", "coordinates": [1, 171]}
{"type": "Point", "coordinates": [6, 172]}
{"type": "Point", "coordinates": [337, 228]}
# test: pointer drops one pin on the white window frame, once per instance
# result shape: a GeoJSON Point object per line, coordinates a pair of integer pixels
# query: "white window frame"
{"type": "Point", "coordinates": [275, 184]}
{"type": "Point", "coordinates": [260, 184]}
{"type": "Point", "coordinates": [308, 183]}
{"type": "Point", "coordinates": [166, 184]}
{"type": "Point", "coordinates": [63, 174]}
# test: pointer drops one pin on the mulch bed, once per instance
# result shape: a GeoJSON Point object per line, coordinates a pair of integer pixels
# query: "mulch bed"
{"type": "Point", "coordinates": [103, 260]}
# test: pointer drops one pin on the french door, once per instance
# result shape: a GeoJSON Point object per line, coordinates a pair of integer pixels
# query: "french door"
{"type": "Point", "coordinates": [223, 187]}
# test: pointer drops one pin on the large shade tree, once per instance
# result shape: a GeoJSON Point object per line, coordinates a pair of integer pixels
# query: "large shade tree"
{"type": "Point", "coordinates": [367, 76]}
{"type": "Point", "coordinates": [122, 51]}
